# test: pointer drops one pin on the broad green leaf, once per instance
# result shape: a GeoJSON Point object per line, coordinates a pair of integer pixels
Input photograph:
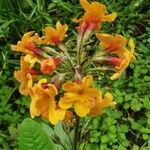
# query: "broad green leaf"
{"type": "Point", "coordinates": [91, 146]}
{"type": "Point", "coordinates": [32, 136]}
{"type": "Point", "coordinates": [64, 137]}
{"type": "Point", "coordinates": [50, 132]}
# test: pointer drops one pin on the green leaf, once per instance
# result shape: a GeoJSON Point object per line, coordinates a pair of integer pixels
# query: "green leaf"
{"type": "Point", "coordinates": [104, 139]}
{"type": "Point", "coordinates": [60, 132]}
{"type": "Point", "coordinates": [91, 146]}
{"type": "Point", "coordinates": [31, 136]}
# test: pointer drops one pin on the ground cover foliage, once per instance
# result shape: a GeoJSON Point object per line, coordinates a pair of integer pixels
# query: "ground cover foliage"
{"type": "Point", "coordinates": [126, 127]}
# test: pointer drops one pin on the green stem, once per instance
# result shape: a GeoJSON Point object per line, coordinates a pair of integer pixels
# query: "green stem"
{"type": "Point", "coordinates": [76, 134]}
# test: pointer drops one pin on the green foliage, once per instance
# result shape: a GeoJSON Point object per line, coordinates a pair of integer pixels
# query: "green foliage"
{"type": "Point", "coordinates": [31, 136]}
{"type": "Point", "coordinates": [125, 127]}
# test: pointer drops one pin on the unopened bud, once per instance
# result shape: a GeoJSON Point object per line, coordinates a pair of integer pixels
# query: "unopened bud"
{"type": "Point", "coordinates": [48, 66]}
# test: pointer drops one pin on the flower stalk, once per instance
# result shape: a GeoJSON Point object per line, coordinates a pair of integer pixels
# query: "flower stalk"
{"type": "Point", "coordinates": [76, 133]}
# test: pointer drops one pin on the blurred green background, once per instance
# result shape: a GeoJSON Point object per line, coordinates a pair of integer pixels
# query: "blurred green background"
{"type": "Point", "coordinates": [126, 127]}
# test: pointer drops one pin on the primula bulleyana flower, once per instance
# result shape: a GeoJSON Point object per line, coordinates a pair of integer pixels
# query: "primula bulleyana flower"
{"type": "Point", "coordinates": [102, 103]}
{"type": "Point", "coordinates": [116, 45]}
{"type": "Point", "coordinates": [55, 36]}
{"type": "Point", "coordinates": [43, 102]}
{"type": "Point", "coordinates": [110, 43]}
{"type": "Point", "coordinates": [94, 15]}
{"type": "Point", "coordinates": [82, 97]}
{"type": "Point", "coordinates": [24, 77]}
{"type": "Point", "coordinates": [127, 57]}
{"type": "Point", "coordinates": [26, 45]}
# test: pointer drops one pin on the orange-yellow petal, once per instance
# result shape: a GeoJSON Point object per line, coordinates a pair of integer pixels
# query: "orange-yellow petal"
{"type": "Point", "coordinates": [87, 81]}
{"type": "Point", "coordinates": [55, 114]}
{"type": "Point", "coordinates": [70, 86]}
{"type": "Point", "coordinates": [85, 4]}
{"type": "Point", "coordinates": [110, 17]}
{"type": "Point", "coordinates": [81, 109]}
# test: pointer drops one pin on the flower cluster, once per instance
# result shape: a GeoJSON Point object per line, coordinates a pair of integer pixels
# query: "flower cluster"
{"type": "Point", "coordinates": [56, 80]}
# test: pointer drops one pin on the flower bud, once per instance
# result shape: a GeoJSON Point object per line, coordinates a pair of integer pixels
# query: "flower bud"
{"type": "Point", "coordinates": [48, 66]}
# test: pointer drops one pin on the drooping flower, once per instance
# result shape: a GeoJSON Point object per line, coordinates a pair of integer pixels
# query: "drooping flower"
{"type": "Point", "coordinates": [110, 43]}
{"type": "Point", "coordinates": [26, 45]}
{"type": "Point", "coordinates": [81, 96]}
{"type": "Point", "coordinates": [93, 17]}
{"type": "Point", "coordinates": [127, 58]}
{"type": "Point", "coordinates": [55, 36]}
{"type": "Point", "coordinates": [43, 102]}
{"type": "Point", "coordinates": [102, 103]}
{"type": "Point", "coordinates": [24, 76]}
{"type": "Point", "coordinates": [117, 45]}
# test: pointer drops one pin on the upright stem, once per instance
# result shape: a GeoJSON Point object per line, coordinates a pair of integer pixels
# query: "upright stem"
{"type": "Point", "coordinates": [76, 134]}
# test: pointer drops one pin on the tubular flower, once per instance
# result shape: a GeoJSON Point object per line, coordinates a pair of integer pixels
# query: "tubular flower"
{"type": "Point", "coordinates": [55, 36]}
{"type": "Point", "coordinates": [24, 77]}
{"type": "Point", "coordinates": [26, 45]}
{"type": "Point", "coordinates": [127, 57]}
{"type": "Point", "coordinates": [43, 102]}
{"type": "Point", "coordinates": [82, 97]}
{"type": "Point", "coordinates": [115, 44]}
{"type": "Point", "coordinates": [94, 15]}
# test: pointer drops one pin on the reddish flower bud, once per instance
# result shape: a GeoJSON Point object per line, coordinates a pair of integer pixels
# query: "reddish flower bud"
{"type": "Point", "coordinates": [31, 46]}
{"type": "Point", "coordinates": [48, 66]}
{"type": "Point", "coordinates": [114, 60]}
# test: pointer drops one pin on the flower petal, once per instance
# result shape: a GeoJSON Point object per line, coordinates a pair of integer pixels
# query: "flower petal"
{"type": "Point", "coordinates": [81, 109]}
{"type": "Point", "coordinates": [110, 17]}
{"type": "Point", "coordinates": [55, 114]}
{"type": "Point", "coordinates": [87, 81]}
{"type": "Point", "coordinates": [107, 101]}
{"type": "Point", "coordinates": [70, 86]}
{"type": "Point", "coordinates": [67, 100]}
{"type": "Point", "coordinates": [85, 5]}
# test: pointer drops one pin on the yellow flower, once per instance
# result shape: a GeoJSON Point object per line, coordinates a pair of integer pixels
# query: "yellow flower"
{"type": "Point", "coordinates": [43, 102]}
{"type": "Point", "coordinates": [94, 15]}
{"type": "Point", "coordinates": [115, 44]}
{"type": "Point", "coordinates": [26, 45]}
{"type": "Point", "coordinates": [128, 57]}
{"type": "Point", "coordinates": [54, 36]}
{"type": "Point", "coordinates": [102, 103]}
{"type": "Point", "coordinates": [82, 97]}
{"type": "Point", "coordinates": [24, 77]}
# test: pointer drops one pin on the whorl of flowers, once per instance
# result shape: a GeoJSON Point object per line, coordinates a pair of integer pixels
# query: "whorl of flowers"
{"type": "Point", "coordinates": [59, 77]}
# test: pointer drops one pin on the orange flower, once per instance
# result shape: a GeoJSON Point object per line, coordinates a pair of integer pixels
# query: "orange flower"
{"type": "Point", "coordinates": [24, 77]}
{"type": "Point", "coordinates": [127, 57]}
{"type": "Point", "coordinates": [111, 43]}
{"type": "Point", "coordinates": [84, 98]}
{"type": "Point", "coordinates": [102, 103]}
{"type": "Point", "coordinates": [54, 36]}
{"type": "Point", "coordinates": [26, 45]}
{"type": "Point", "coordinates": [116, 45]}
{"type": "Point", "coordinates": [43, 102]}
{"type": "Point", "coordinates": [94, 15]}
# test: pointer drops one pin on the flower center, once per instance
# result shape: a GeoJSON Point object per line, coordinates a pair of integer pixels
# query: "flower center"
{"type": "Point", "coordinates": [81, 92]}
{"type": "Point", "coordinates": [112, 47]}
